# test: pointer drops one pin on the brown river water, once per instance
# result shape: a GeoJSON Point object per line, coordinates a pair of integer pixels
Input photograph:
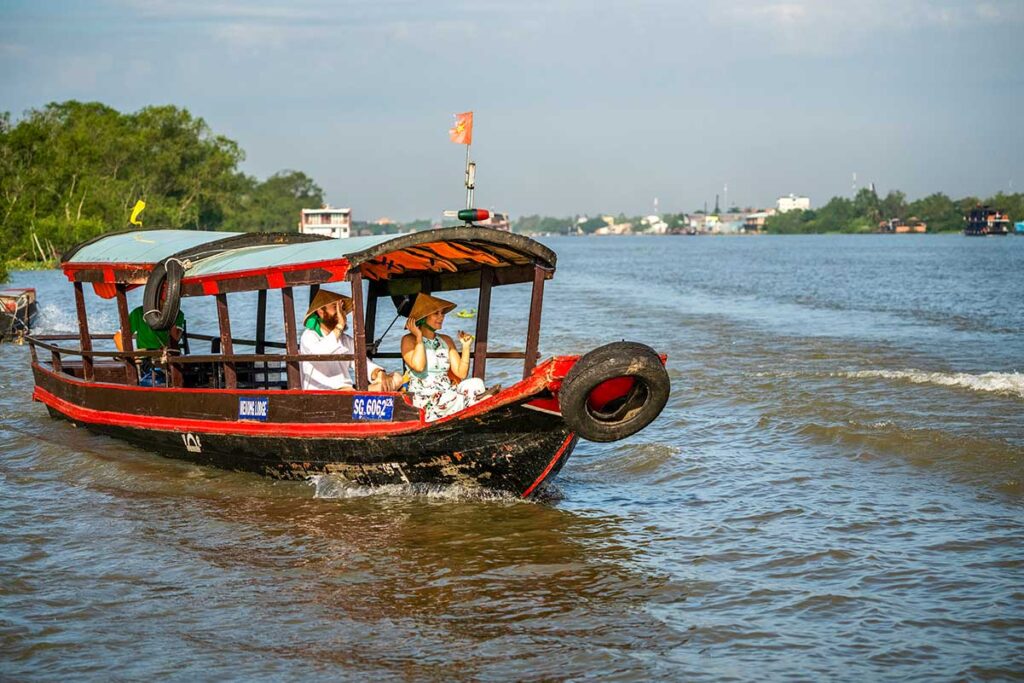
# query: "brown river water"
{"type": "Point", "coordinates": [834, 491]}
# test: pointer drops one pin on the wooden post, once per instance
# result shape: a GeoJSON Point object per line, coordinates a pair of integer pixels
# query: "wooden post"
{"type": "Point", "coordinates": [290, 339]}
{"type": "Point", "coordinates": [533, 328]}
{"type": "Point", "coordinates": [83, 334]}
{"type": "Point", "coordinates": [55, 359]}
{"type": "Point", "coordinates": [358, 330]}
{"type": "Point", "coordinates": [261, 321]}
{"type": "Point", "coordinates": [261, 332]}
{"type": "Point", "coordinates": [230, 374]}
{"type": "Point", "coordinates": [128, 346]}
{"type": "Point", "coordinates": [371, 318]}
{"type": "Point", "coordinates": [173, 370]}
{"type": "Point", "coordinates": [483, 314]}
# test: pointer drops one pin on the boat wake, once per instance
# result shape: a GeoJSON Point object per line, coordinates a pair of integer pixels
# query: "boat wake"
{"type": "Point", "coordinates": [1005, 383]}
{"type": "Point", "coordinates": [54, 319]}
{"type": "Point", "coordinates": [333, 486]}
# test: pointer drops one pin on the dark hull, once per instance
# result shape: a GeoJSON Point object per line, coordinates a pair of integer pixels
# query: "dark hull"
{"type": "Point", "coordinates": [509, 447]}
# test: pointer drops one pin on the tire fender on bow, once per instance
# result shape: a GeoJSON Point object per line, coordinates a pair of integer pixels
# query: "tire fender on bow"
{"type": "Point", "coordinates": [158, 311]}
{"type": "Point", "coordinates": [614, 391]}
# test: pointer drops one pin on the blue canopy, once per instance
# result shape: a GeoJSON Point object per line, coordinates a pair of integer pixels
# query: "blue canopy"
{"type": "Point", "coordinates": [141, 247]}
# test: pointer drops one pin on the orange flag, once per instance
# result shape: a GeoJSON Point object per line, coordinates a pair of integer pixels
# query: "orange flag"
{"type": "Point", "coordinates": [462, 132]}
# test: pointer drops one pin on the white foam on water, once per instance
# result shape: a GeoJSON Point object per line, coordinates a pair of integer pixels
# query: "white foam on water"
{"type": "Point", "coordinates": [54, 319]}
{"type": "Point", "coordinates": [333, 486]}
{"type": "Point", "coordinates": [1007, 383]}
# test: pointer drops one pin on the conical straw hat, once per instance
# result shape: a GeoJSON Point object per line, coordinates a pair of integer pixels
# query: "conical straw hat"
{"type": "Point", "coordinates": [426, 304]}
{"type": "Point", "coordinates": [324, 297]}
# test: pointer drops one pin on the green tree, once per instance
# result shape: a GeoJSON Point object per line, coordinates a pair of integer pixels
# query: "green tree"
{"type": "Point", "coordinates": [938, 211]}
{"type": "Point", "coordinates": [791, 222]}
{"type": "Point", "coordinates": [893, 206]}
{"type": "Point", "coordinates": [72, 170]}
{"type": "Point", "coordinates": [866, 205]}
{"type": "Point", "coordinates": [273, 205]}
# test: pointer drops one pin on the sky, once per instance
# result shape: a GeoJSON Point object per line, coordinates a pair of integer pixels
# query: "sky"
{"type": "Point", "coordinates": [580, 107]}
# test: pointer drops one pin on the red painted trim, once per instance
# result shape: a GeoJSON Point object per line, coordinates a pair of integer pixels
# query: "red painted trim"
{"type": "Point", "coordinates": [275, 280]}
{"type": "Point", "coordinates": [550, 404]}
{"type": "Point", "coordinates": [210, 287]}
{"type": "Point", "coordinates": [70, 268]}
{"type": "Point", "coordinates": [239, 428]}
{"type": "Point", "coordinates": [102, 265]}
{"type": "Point", "coordinates": [547, 470]}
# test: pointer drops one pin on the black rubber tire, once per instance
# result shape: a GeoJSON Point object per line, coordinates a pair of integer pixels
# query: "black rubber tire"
{"type": "Point", "coordinates": [156, 316]}
{"type": "Point", "coordinates": [626, 416]}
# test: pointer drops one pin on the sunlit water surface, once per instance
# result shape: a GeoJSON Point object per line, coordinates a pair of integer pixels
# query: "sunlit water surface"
{"type": "Point", "coordinates": [833, 491]}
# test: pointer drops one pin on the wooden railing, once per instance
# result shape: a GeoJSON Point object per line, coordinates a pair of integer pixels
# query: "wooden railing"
{"type": "Point", "coordinates": [174, 363]}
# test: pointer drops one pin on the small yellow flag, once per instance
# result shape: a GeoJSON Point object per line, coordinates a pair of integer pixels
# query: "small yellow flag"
{"type": "Point", "coordinates": [139, 206]}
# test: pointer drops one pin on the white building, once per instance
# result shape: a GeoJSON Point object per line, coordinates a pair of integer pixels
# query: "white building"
{"type": "Point", "coordinates": [497, 220]}
{"type": "Point", "coordinates": [327, 221]}
{"type": "Point", "coordinates": [792, 202]}
{"type": "Point", "coordinates": [655, 226]}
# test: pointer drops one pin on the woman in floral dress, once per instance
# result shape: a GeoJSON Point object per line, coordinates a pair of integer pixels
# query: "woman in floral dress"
{"type": "Point", "coordinates": [431, 355]}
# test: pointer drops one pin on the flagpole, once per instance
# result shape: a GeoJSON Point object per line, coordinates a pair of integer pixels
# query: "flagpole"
{"type": "Point", "coordinates": [469, 182]}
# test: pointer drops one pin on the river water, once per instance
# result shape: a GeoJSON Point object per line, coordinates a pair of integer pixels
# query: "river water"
{"type": "Point", "coordinates": [835, 490]}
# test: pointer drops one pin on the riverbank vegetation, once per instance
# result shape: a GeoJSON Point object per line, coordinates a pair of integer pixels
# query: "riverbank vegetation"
{"type": "Point", "coordinates": [72, 170]}
{"type": "Point", "coordinates": [866, 209]}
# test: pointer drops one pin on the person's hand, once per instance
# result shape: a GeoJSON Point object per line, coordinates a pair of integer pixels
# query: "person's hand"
{"type": "Point", "coordinates": [391, 382]}
{"type": "Point", "coordinates": [465, 339]}
{"type": "Point", "coordinates": [410, 325]}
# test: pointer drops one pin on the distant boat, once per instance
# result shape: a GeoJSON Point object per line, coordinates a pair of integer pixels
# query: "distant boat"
{"type": "Point", "coordinates": [983, 221]}
{"type": "Point", "coordinates": [18, 311]}
{"type": "Point", "coordinates": [898, 226]}
{"type": "Point", "coordinates": [467, 313]}
{"type": "Point", "coordinates": [1018, 227]}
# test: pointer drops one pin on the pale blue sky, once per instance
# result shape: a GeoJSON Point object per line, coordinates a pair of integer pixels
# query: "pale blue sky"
{"type": "Point", "coordinates": [580, 106]}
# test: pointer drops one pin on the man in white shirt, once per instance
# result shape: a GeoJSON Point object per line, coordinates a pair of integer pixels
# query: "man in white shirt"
{"type": "Point", "coordinates": [325, 324]}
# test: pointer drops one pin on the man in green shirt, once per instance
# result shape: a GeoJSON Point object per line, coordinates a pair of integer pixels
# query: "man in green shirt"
{"type": "Point", "coordinates": [148, 339]}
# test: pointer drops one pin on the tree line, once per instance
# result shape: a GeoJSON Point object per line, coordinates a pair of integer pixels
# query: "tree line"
{"type": "Point", "coordinates": [866, 210]}
{"type": "Point", "coordinates": [73, 170]}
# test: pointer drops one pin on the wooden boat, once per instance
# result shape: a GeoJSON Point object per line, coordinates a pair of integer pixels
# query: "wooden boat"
{"type": "Point", "coordinates": [247, 411]}
{"type": "Point", "coordinates": [983, 221]}
{"type": "Point", "coordinates": [18, 311]}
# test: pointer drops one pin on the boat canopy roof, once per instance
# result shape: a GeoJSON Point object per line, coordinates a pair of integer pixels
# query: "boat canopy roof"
{"type": "Point", "coordinates": [137, 247]}
{"type": "Point", "coordinates": [219, 262]}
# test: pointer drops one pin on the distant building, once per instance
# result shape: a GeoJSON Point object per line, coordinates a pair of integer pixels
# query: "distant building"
{"type": "Point", "coordinates": [326, 221]}
{"type": "Point", "coordinates": [615, 229]}
{"type": "Point", "coordinates": [793, 203]}
{"type": "Point", "coordinates": [498, 221]}
{"type": "Point", "coordinates": [754, 222]}
{"type": "Point", "coordinates": [655, 225]}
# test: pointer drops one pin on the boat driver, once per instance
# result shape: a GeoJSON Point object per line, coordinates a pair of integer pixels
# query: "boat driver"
{"type": "Point", "coordinates": [148, 339]}
{"type": "Point", "coordinates": [325, 324]}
